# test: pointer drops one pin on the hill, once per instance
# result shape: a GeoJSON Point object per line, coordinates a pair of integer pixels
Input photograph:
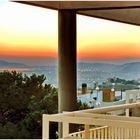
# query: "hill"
{"type": "Point", "coordinates": [97, 66]}
{"type": "Point", "coordinates": [5, 64]}
{"type": "Point", "coordinates": [133, 67]}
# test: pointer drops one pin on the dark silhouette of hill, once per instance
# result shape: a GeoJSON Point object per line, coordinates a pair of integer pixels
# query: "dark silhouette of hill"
{"type": "Point", "coordinates": [5, 64]}
{"type": "Point", "coordinates": [133, 67]}
{"type": "Point", "coordinates": [97, 66]}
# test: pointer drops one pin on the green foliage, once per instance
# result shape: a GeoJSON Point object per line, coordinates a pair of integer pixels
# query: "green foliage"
{"type": "Point", "coordinates": [121, 84]}
{"type": "Point", "coordinates": [82, 106]}
{"type": "Point", "coordinates": [23, 100]}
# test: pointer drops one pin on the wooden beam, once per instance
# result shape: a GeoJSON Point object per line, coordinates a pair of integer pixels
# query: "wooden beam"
{"type": "Point", "coordinates": [102, 109]}
{"type": "Point", "coordinates": [109, 117]}
{"type": "Point", "coordinates": [94, 121]}
{"type": "Point", "coordinates": [113, 108]}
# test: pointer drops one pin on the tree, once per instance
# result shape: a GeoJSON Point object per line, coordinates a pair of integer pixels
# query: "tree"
{"type": "Point", "coordinates": [23, 100]}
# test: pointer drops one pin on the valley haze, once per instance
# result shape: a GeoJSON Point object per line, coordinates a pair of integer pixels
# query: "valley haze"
{"type": "Point", "coordinates": [87, 72]}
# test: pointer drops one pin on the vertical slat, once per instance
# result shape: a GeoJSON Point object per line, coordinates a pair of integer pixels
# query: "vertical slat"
{"type": "Point", "coordinates": [139, 133]}
{"type": "Point", "coordinates": [98, 133]}
{"type": "Point", "coordinates": [81, 135]}
{"type": "Point", "coordinates": [78, 135]}
{"type": "Point", "coordinates": [105, 132]}
{"type": "Point", "coordinates": [109, 132]}
{"type": "Point", "coordinates": [87, 131]}
{"type": "Point", "coordinates": [128, 129]}
{"type": "Point", "coordinates": [112, 133]}
{"type": "Point", "coordinates": [135, 133]}
{"type": "Point", "coordinates": [116, 135]}
{"type": "Point", "coordinates": [95, 134]}
{"type": "Point", "coordinates": [118, 131]}
{"type": "Point", "coordinates": [91, 134]}
{"type": "Point", "coordinates": [65, 129]}
{"type": "Point", "coordinates": [102, 133]}
{"type": "Point", "coordinates": [123, 133]}
{"type": "Point", "coordinates": [130, 135]}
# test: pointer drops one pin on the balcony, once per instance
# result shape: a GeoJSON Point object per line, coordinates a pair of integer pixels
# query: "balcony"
{"type": "Point", "coordinates": [98, 122]}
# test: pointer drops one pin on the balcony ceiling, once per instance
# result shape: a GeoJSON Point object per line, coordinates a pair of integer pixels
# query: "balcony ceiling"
{"type": "Point", "coordinates": [121, 11]}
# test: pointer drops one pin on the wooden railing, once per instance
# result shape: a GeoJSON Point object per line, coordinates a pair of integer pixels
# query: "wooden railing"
{"type": "Point", "coordinates": [113, 127]}
{"type": "Point", "coordinates": [109, 133]}
{"type": "Point", "coordinates": [106, 132]}
{"type": "Point", "coordinates": [99, 132]}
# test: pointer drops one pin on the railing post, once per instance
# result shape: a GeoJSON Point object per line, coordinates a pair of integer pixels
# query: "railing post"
{"type": "Point", "coordinates": [87, 132]}
{"type": "Point", "coordinates": [65, 129]}
{"type": "Point", "coordinates": [45, 127]}
{"type": "Point", "coordinates": [127, 101]}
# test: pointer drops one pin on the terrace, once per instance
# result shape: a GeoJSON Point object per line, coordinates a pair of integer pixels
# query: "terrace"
{"type": "Point", "coordinates": [105, 125]}
{"type": "Point", "coordinates": [99, 123]}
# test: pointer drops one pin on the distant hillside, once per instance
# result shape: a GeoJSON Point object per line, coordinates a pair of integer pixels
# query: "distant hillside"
{"type": "Point", "coordinates": [97, 66]}
{"type": "Point", "coordinates": [5, 64]}
{"type": "Point", "coordinates": [130, 67]}
{"type": "Point", "coordinates": [133, 67]}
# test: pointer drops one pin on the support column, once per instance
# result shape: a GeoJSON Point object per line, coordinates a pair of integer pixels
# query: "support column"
{"type": "Point", "coordinates": [67, 60]}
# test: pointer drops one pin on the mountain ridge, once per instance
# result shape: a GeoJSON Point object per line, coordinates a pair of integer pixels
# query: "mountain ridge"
{"type": "Point", "coordinates": [127, 67]}
{"type": "Point", "coordinates": [6, 64]}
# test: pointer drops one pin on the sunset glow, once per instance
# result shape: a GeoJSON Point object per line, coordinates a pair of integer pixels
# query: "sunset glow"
{"type": "Point", "coordinates": [103, 39]}
{"type": "Point", "coordinates": [29, 31]}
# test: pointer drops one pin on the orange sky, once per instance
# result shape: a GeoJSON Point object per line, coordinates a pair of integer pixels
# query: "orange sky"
{"type": "Point", "coordinates": [27, 31]}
